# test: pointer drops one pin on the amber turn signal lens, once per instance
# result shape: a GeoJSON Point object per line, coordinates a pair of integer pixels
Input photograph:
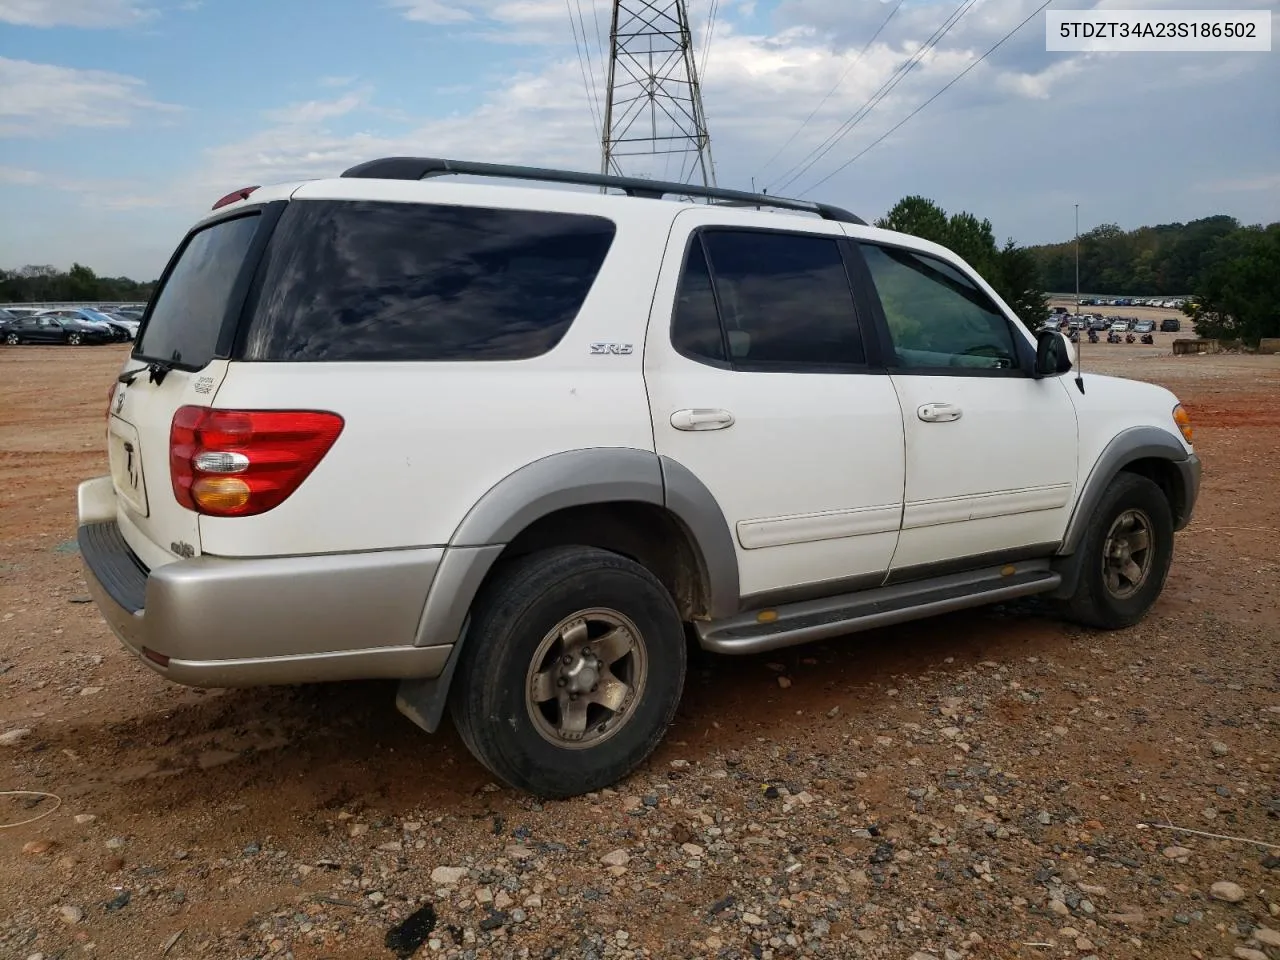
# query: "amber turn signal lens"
{"type": "Point", "coordinates": [220, 493]}
{"type": "Point", "coordinates": [1183, 420]}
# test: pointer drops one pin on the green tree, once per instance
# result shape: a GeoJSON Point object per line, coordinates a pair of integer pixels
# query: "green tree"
{"type": "Point", "coordinates": [1011, 270]}
{"type": "Point", "coordinates": [81, 283]}
{"type": "Point", "coordinates": [974, 240]}
{"type": "Point", "coordinates": [917, 216]}
{"type": "Point", "coordinates": [1019, 284]}
{"type": "Point", "coordinates": [1237, 296]}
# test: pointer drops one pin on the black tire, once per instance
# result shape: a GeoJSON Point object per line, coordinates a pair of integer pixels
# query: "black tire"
{"type": "Point", "coordinates": [1095, 603]}
{"type": "Point", "coordinates": [12, 339]}
{"type": "Point", "coordinates": [514, 617]}
{"type": "Point", "coordinates": [73, 339]}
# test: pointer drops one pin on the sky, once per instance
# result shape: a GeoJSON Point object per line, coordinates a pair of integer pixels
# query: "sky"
{"type": "Point", "coordinates": [122, 121]}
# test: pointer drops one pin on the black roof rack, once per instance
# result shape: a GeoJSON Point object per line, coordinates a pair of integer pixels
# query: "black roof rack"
{"type": "Point", "coordinates": [419, 168]}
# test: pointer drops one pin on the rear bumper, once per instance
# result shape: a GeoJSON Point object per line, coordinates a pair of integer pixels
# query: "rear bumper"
{"type": "Point", "coordinates": [216, 622]}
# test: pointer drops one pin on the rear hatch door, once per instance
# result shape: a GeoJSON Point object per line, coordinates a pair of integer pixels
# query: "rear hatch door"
{"type": "Point", "coordinates": [180, 358]}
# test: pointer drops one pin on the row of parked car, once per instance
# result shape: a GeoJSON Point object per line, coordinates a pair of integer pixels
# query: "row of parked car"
{"type": "Point", "coordinates": [1060, 321]}
{"type": "Point", "coordinates": [1173, 304]}
{"type": "Point", "coordinates": [69, 325]}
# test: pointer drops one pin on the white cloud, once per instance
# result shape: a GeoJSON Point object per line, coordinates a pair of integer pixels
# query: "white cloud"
{"type": "Point", "coordinates": [433, 11]}
{"type": "Point", "coordinates": [1040, 85]}
{"type": "Point", "coordinates": [73, 13]}
{"type": "Point", "coordinates": [40, 98]}
{"type": "Point", "coordinates": [1011, 141]}
{"type": "Point", "coordinates": [540, 116]}
{"type": "Point", "coordinates": [542, 22]}
{"type": "Point", "coordinates": [316, 111]}
{"type": "Point", "coordinates": [468, 11]}
{"type": "Point", "coordinates": [760, 86]}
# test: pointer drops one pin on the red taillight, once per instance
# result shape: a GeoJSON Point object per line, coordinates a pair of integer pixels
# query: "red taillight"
{"type": "Point", "coordinates": [238, 463]}
{"type": "Point", "coordinates": [234, 195]}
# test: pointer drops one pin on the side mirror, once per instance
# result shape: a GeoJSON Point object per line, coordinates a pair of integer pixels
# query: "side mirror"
{"type": "Point", "coordinates": [1053, 354]}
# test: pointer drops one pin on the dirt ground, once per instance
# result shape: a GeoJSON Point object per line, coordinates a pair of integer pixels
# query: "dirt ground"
{"type": "Point", "coordinates": [980, 785]}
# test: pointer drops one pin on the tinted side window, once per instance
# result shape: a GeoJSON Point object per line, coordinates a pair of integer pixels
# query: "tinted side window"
{"type": "Point", "coordinates": [193, 303]}
{"type": "Point", "coordinates": [936, 316]}
{"type": "Point", "coordinates": [785, 300]}
{"type": "Point", "coordinates": [362, 280]}
{"type": "Point", "coordinates": [695, 324]}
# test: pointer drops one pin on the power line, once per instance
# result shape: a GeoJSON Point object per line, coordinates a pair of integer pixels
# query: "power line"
{"type": "Point", "coordinates": [800, 169]}
{"type": "Point", "coordinates": [706, 43]}
{"type": "Point", "coordinates": [814, 156]}
{"type": "Point", "coordinates": [595, 18]}
{"type": "Point", "coordinates": [829, 93]}
{"type": "Point", "coordinates": [586, 45]}
{"type": "Point", "coordinates": [957, 78]}
{"type": "Point", "coordinates": [582, 68]}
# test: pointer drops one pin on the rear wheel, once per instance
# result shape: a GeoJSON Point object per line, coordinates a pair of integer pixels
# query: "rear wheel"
{"type": "Point", "coordinates": [1127, 552]}
{"type": "Point", "coordinates": [12, 339]}
{"type": "Point", "coordinates": [571, 673]}
{"type": "Point", "coordinates": [73, 339]}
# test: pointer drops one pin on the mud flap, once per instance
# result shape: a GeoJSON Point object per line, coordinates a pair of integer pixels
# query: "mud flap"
{"type": "Point", "coordinates": [423, 701]}
{"type": "Point", "coordinates": [1069, 568]}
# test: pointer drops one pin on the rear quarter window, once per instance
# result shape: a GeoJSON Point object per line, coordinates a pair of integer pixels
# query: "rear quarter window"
{"type": "Point", "coordinates": [192, 306]}
{"type": "Point", "coordinates": [368, 281]}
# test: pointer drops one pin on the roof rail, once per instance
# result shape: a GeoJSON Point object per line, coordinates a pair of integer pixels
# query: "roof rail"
{"type": "Point", "coordinates": [419, 168]}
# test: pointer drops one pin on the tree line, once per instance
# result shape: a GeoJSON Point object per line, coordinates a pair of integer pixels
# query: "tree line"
{"type": "Point", "coordinates": [1230, 271]}
{"type": "Point", "coordinates": [1164, 260]}
{"type": "Point", "coordinates": [41, 284]}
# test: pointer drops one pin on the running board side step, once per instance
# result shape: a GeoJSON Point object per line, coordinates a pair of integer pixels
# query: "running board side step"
{"type": "Point", "coordinates": [797, 623]}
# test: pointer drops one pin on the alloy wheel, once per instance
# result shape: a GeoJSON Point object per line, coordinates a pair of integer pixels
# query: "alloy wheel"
{"type": "Point", "coordinates": [585, 678]}
{"type": "Point", "coordinates": [1127, 554]}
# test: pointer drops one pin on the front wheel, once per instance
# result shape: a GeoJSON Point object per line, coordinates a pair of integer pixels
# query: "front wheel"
{"type": "Point", "coordinates": [1127, 552]}
{"type": "Point", "coordinates": [73, 339]}
{"type": "Point", "coordinates": [12, 339]}
{"type": "Point", "coordinates": [571, 673]}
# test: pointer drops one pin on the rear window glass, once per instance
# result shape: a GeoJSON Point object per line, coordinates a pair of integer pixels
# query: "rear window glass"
{"type": "Point", "coordinates": [190, 308]}
{"type": "Point", "coordinates": [365, 280]}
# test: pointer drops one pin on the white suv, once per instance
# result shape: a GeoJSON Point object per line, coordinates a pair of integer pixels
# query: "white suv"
{"type": "Point", "coordinates": [515, 446]}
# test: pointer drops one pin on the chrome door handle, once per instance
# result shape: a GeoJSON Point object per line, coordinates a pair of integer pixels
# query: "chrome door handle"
{"type": "Point", "coordinates": [701, 419]}
{"type": "Point", "coordinates": [939, 412]}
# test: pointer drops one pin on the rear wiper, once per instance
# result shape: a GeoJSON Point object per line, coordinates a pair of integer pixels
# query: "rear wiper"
{"type": "Point", "coordinates": [155, 369]}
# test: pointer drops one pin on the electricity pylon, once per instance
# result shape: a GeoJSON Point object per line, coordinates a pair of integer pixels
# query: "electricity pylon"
{"type": "Point", "coordinates": [653, 105]}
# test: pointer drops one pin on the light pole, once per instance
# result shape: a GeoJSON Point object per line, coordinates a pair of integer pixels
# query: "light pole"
{"type": "Point", "coordinates": [1077, 258]}
{"type": "Point", "coordinates": [1079, 353]}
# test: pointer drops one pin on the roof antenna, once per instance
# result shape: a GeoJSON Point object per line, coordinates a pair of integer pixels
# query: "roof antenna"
{"type": "Point", "coordinates": [1080, 348]}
